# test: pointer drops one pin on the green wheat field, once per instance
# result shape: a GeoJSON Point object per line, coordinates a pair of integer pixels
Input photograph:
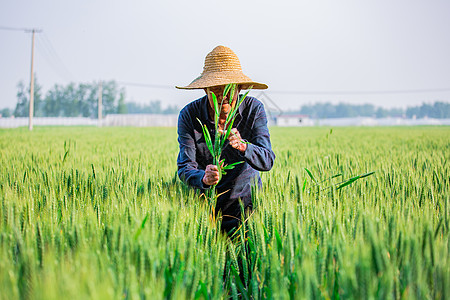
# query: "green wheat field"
{"type": "Point", "coordinates": [99, 213]}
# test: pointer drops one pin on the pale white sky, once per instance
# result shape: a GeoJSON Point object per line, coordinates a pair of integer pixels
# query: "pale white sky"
{"type": "Point", "coordinates": [301, 46]}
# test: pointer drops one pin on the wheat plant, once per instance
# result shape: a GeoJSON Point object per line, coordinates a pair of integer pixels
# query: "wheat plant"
{"type": "Point", "coordinates": [216, 145]}
{"type": "Point", "coordinates": [99, 213]}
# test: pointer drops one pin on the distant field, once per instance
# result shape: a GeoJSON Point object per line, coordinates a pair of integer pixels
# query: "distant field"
{"type": "Point", "coordinates": [99, 213]}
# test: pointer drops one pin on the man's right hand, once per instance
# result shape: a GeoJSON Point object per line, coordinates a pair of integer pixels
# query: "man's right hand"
{"type": "Point", "coordinates": [211, 175]}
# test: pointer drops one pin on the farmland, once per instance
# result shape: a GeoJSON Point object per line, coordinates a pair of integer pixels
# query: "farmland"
{"type": "Point", "coordinates": [100, 213]}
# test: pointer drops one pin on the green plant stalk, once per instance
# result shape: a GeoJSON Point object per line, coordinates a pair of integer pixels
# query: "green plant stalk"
{"type": "Point", "coordinates": [216, 148]}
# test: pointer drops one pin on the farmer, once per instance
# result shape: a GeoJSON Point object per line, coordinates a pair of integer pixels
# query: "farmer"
{"type": "Point", "coordinates": [249, 142]}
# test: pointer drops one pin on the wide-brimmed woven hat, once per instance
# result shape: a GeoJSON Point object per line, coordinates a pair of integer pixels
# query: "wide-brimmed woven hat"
{"type": "Point", "coordinates": [222, 67]}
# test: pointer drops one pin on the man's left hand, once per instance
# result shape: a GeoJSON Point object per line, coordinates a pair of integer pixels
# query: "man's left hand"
{"type": "Point", "coordinates": [236, 141]}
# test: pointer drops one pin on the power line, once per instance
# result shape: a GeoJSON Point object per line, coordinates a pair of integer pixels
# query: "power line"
{"type": "Point", "coordinates": [13, 29]}
{"type": "Point", "coordinates": [416, 91]}
{"type": "Point", "coordinates": [148, 85]}
{"type": "Point", "coordinates": [298, 92]}
{"type": "Point", "coordinates": [20, 29]}
{"type": "Point", "coordinates": [47, 50]}
{"type": "Point", "coordinates": [53, 58]}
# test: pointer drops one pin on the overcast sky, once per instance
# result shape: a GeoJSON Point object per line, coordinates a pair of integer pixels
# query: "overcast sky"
{"type": "Point", "coordinates": [306, 51]}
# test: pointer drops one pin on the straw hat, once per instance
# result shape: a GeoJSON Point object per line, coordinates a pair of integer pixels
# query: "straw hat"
{"type": "Point", "coordinates": [222, 67]}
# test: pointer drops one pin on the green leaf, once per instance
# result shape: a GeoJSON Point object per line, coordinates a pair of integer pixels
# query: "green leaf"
{"type": "Point", "coordinates": [304, 186]}
{"type": "Point", "coordinates": [216, 109]}
{"type": "Point", "coordinates": [227, 89]}
{"type": "Point", "coordinates": [366, 174]}
{"type": "Point", "coordinates": [231, 94]}
{"type": "Point", "coordinates": [329, 178]}
{"type": "Point", "coordinates": [138, 233]}
{"type": "Point", "coordinates": [216, 105]}
{"type": "Point", "coordinates": [232, 114]}
{"type": "Point", "coordinates": [201, 291]}
{"type": "Point", "coordinates": [207, 137]}
{"type": "Point", "coordinates": [279, 242]}
{"type": "Point", "coordinates": [353, 179]}
{"type": "Point", "coordinates": [239, 283]}
{"type": "Point", "coordinates": [226, 134]}
{"type": "Point", "coordinates": [208, 140]}
{"type": "Point", "coordinates": [348, 182]}
{"type": "Point", "coordinates": [266, 235]}
{"type": "Point", "coordinates": [242, 98]}
{"type": "Point", "coordinates": [65, 156]}
{"type": "Point", "coordinates": [217, 139]}
{"type": "Point", "coordinates": [229, 127]}
{"type": "Point", "coordinates": [231, 166]}
{"type": "Point", "coordinates": [311, 175]}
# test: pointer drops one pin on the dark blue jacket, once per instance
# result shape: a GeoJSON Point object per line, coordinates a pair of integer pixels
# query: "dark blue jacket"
{"type": "Point", "coordinates": [194, 156]}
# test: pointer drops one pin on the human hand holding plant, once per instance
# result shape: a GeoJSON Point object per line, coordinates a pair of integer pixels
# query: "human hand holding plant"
{"type": "Point", "coordinates": [236, 141]}
{"type": "Point", "coordinates": [211, 175]}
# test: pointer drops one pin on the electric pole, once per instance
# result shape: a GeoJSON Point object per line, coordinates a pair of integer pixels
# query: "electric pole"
{"type": "Point", "coordinates": [30, 120]}
{"type": "Point", "coordinates": [33, 31]}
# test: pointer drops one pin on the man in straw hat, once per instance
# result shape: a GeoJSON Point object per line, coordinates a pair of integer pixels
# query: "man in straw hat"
{"type": "Point", "coordinates": [249, 142]}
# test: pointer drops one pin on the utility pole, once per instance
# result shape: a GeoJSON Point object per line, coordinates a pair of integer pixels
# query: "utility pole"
{"type": "Point", "coordinates": [30, 120]}
{"type": "Point", "coordinates": [33, 31]}
{"type": "Point", "coordinates": [100, 93]}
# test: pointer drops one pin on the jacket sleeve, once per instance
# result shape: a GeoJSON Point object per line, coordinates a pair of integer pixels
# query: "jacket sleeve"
{"type": "Point", "coordinates": [259, 154]}
{"type": "Point", "coordinates": [188, 170]}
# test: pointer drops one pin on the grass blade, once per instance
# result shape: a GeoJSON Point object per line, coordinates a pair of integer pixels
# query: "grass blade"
{"type": "Point", "coordinates": [348, 182]}
{"type": "Point", "coordinates": [311, 175]}
{"type": "Point", "coordinates": [138, 233]}
{"type": "Point", "coordinates": [366, 174]}
{"type": "Point", "coordinates": [239, 283]}
{"type": "Point", "coordinates": [207, 138]}
{"type": "Point", "coordinates": [231, 166]}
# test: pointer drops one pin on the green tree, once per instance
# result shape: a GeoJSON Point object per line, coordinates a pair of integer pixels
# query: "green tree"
{"type": "Point", "coordinates": [154, 107]}
{"type": "Point", "coordinates": [345, 111]}
{"type": "Point", "coordinates": [74, 100]}
{"type": "Point", "coordinates": [381, 113]}
{"type": "Point", "coordinates": [53, 101]}
{"type": "Point", "coordinates": [23, 100]}
{"type": "Point", "coordinates": [171, 109]}
{"type": "Point", "coordinates": [5, 113]}
{"type": "Point", "coordinates": [121, 106]}
{"type": "Point", "coordinates": [110, 97]}
{"type": "Point", "coordinates": [22, 106]}
{"type": "Point", "coordinates": [441, 110]}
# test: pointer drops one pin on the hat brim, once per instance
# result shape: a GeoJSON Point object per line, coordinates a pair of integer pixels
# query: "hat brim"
{"type": "Point", "coordinates": [223, 78]}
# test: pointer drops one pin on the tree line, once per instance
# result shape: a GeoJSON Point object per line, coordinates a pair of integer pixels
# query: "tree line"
{"type": "Point", "coordinates": [80, 100]}
{"type": "Point", "coordinates": [438, 110]}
